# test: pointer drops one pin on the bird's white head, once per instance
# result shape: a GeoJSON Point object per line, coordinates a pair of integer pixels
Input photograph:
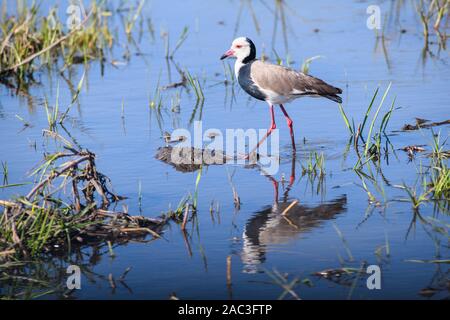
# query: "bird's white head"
{"type": "Point", "coordinates": [242, 48]}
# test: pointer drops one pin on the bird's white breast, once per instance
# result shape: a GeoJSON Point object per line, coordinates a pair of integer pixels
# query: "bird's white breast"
{"type": "Point", "coordinates": [237, 66]}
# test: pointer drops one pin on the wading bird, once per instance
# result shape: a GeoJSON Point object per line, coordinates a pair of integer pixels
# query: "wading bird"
{"type": "Point", "coordinates": [273, 83]}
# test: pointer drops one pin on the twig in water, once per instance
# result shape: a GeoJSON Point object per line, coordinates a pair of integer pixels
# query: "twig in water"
{"type": "Point", "coordinates": [229, 271]}
{"type": "Point", "coordinates": [124, 274]}
{"type": "Point", "coordinates": [112, 283]}
{"type": "Point", "coordinates": [350, 256]}
{"type": "Point", "coordinates": [285, 211]}
{"type": "Point", "coordinates": [185, 218]}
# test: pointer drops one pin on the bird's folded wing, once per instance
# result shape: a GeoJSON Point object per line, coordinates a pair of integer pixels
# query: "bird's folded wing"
{"type": "Point", "coordinates": [286, 82]}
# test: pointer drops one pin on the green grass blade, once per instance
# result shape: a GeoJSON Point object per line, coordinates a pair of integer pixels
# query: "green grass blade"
{"type": "Point", "coordinates": [369, 136]}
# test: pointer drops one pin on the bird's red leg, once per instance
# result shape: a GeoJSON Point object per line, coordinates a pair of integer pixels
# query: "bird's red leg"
{"type": "Point", "coordinates": [273, 126]}
{"type": "Point", "coordinates": [275, 188]}
{"type": "Point", "coordinates": [292, 178]}
{"type": "Point", "coordinates": [290, 124]}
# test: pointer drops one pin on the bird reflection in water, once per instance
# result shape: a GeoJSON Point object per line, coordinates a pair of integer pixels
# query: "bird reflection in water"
{"type": "Point", "coordinates": [270, 226]}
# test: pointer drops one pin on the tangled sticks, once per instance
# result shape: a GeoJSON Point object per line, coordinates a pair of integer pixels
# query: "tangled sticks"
{"type": "Point", "coordinates": [49, 218]}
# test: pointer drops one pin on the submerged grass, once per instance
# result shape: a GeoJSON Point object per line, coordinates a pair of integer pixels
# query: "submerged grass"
{"type": "Point", "coordinates": [29, 41]}
{"type": "Point", "coordinates": [372, 141]}
{"type": "Point", "coordinates": [287, 286]}
{"type": "Point", "coordinates": [431, 13]}
{"type": "Point", "coordinates": [307, 63]}
{"type": "Point", "coordinates": [439, 171]}
{"type": "Point", "coordinates": [433, 183]}
{"type": "Point", "coordinates": [5, 172]}
{"type": "Point", "coordinates": [133, 18]}
{"type": "Point", "coordinates": [314, 170]}
{"type": "Point", "coordinates": [315, 165]}
{"type": "Point", "coordinates": [196, 87]}
{"type": "Point", "coordinates": [181, 39]}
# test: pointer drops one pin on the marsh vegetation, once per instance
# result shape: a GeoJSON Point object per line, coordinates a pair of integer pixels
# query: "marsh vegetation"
{"type": "Point", "coordinates": [86, 114]}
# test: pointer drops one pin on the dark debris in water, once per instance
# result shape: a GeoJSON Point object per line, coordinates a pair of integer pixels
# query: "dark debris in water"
{"type": "Point", "coordinates": [428, 292]}
{"type": "Point", "coordinates": [341, 276]}
{"type": "Point", "coordinates": [330, 273]}
{"type": "Point", "coordinates": [439, 286]}
{"type": "Point", "coordinates": [413, 149]}
{"type": "Point", "coordinates": [423, 124]}
{"type": "Point", "coordinates": [120, 227]}
{"type": "Point", "coordinates": [190, 159]}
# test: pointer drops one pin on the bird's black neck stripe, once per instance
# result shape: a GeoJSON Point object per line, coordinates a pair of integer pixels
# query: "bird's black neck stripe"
{"type": "Point", "coordinates": [247, 83]}
{"type": "Point", "coordinates": [252, 54]}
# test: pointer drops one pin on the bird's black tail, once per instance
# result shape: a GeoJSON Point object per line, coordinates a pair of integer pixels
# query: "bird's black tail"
{"type": "Point", "coordinates": [334, 98]}
{"type": "Point", "coordinates": [332, 94]}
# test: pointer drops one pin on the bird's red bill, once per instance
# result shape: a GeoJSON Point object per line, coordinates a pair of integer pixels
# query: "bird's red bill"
{"type": "Point", "coordinates": [227, 54]}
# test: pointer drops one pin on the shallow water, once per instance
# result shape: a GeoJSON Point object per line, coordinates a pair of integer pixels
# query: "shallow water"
{"type": "Point", "coordinates": [258, 240]}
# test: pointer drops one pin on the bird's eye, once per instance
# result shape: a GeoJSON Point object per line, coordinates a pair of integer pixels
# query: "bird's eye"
{"type": "Point", "coordinates": [238, 46]}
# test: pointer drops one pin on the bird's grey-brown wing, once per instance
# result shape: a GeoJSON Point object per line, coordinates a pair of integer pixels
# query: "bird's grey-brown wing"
{"type": "Point", "coordinates": [287, 82]}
